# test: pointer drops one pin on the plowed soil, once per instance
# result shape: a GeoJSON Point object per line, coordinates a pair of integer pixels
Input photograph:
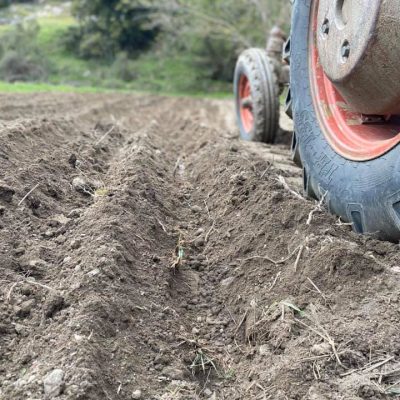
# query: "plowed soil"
{"type": "Point", "coordinates": [147, 253]}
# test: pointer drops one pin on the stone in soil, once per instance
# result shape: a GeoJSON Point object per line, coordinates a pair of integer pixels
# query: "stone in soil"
{"type": "Point", "coordinates": [54, 383]}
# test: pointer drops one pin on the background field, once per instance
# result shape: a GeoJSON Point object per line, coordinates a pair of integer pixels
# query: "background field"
{"type": "Point", "coordinates": [192, 50]}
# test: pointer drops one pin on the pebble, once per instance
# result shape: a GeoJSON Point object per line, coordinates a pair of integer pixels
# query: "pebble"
{"type": "Point", "coordinates": [48, 234]}
{"type": "Point", "coordinates": [20, 329]}
{"type": "Point", "coordinates": [199, 232]}
{"type": "Point", "coordinates": [54, 383]}
{"type": "Point", "coordinates": [20, 251]}
{"type": "Point", "coordinates": [76, 243]}
{"type": "Point", "coordinates": [75, 213]}
{"type": "Point", "coordinates": [321, 349]}
{"type": "Point", "coordinates": [264, 350]}
{"type": "Point", "coordinates": [26, 308]}
{"type": "Point", "coordinates": [174, 373]}
{"type": "Point", "coordinates": [137, 394]}
{"type": "Point", "coordinates": [197, 209]}
{"type": "Point", "coordinates": [96, 271]}
{"type": "Point", "coordinates": [81, 186]}
{"type": "Point", "coordinates": [227, 282]}
{"type": "Point", "coordinates": [199, 242]}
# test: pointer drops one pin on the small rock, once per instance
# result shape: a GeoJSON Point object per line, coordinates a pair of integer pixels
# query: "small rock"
{"type": "Point", "coordinates": [20, 251]}
{"type": "Point", "coordinates": [96, 271]}
{"type": "Point", "coordinates": [208, 392]}
{"type": "Point", "coordinates": [60, 240]}
{"type": "Point", "coordinates": [48, 234]}
{"type": "Point", "coordinates": [25, 308]}
{"type": "Point", "coordinates": [395, 270]}
{"type": "Point", "coordinates": [173, 373]}
{"type": "Point", "coordinates": [199, 242]}
{"type": "Point", "coordinates": [197, 209]}
{"type": "Point", "coordinates": [76, 243]}
{"type": "Point", "coordinates": [20, 329]}
{"type": "Point", "coordinates": [195, 331]}
{"type": "Point", "coordinates": [54, 383]}
{"type": "Point", "coordinates": [321, 349]}
{"type": "Point", "coordinates": [137, 394]}
{"type": "Point", "coordinates": [234, 148]}
{"type": "Point", "coordinates": [227, 282]}
{"type": "Point", "coordinates": [26, 290]}
{"type": "Point", "coordinates": [199, 232]}
{"type": "Point", "coordinates": [81, 186]}
{"type": "Point", "coordinates": [264, 350]}
{"type": "Point", "coordinates": [6, 193]}
{"type": "Point", "coordinates": [59, 219]}
{"type": "Point", "coordinates": [75, 213]}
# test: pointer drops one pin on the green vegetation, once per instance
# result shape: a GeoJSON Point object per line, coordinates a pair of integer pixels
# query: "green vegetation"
{"type": "Point", "coordinates": [178, 47]}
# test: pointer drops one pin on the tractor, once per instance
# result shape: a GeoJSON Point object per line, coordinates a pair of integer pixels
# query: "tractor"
{"type": "Point", "coordinates": [344, 97]}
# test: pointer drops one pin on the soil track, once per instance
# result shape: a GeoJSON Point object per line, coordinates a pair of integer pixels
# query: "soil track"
{"type": "Point", "coordinates": [146, 253]}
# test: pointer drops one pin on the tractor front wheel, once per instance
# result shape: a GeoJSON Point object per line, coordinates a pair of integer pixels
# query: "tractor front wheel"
{"type": "Point", "coordinates": [256, 96]}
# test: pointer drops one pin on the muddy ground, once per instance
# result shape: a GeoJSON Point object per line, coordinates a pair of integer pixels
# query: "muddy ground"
{"type": "Point", "coordinates": [146, 253]}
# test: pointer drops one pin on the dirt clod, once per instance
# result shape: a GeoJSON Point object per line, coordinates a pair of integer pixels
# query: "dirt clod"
{"type": "Point", "coordinates": [6, 193]}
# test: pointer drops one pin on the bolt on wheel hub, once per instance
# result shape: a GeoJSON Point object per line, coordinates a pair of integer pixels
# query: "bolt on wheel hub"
{"type": "Point", "coordinates": [359, 50]}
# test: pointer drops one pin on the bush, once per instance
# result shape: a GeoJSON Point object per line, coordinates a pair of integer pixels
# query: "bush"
{"type": "Point", "coordinates": [20, 56]}
{"type": "Point", "coordinates": [6, 3]}
{"type": "Point", "coordinates": [107, 27]}
{"type": "Point", "coordinates": [15, 67]}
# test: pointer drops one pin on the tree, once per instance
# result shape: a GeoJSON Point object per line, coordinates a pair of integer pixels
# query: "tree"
{"type": "Point", "coordinates": [216, 31]}
{"type": "Point", "coordinates": [107, 27]}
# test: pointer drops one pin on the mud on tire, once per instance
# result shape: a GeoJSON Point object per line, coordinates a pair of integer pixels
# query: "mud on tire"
{"type": "Point", "coordinates": [255, 66]}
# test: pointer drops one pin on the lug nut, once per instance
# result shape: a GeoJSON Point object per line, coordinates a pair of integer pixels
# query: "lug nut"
{"type": "Point", "coordinates": [345, 50]}
{"type": "Point", "coordinates": [325, 27]}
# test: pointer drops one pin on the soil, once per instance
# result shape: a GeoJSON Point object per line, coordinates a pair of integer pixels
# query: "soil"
{"type": "Point", "coordinates": [147, 253]}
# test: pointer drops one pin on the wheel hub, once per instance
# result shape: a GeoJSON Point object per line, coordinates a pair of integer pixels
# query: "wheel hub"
{"type": "Point", "coordinates": [359, 50]}
{"type": "Point", "coordinates": [246, 103]}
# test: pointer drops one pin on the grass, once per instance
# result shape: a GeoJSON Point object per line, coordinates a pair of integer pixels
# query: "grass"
{"type": "Point", "coordinates": [28, 87]}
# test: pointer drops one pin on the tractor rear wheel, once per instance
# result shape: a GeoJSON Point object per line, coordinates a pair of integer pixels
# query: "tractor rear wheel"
{"type": "Point", "coordinates": [347, 140]}
{"type": "Point", "coordinates": [256, 96]}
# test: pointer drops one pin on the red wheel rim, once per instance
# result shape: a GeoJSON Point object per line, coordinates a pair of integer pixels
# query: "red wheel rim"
{"type": "Point", "coordinates": [343, 128]}
{"type": "Point", "coordinates": [245, 104]}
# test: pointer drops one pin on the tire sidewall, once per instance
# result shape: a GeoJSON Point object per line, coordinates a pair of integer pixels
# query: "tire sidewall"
{"type": "Point", "coordinates": [256, 66]}
{"type": "Point", "coordinates": [369, 188]}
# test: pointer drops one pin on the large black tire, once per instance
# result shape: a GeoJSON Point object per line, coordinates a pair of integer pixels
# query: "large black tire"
{"type": "Point", "coordinates": [256, 66]}
{"type": "Point", "coordinates": [364, 193]}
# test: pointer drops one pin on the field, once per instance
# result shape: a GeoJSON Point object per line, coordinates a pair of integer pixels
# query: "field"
{"type": "Point", "coordinates": [147, 253]}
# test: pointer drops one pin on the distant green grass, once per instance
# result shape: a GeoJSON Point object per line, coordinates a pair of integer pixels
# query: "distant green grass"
{"type": "Point", "coordinates": [21, 87]}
